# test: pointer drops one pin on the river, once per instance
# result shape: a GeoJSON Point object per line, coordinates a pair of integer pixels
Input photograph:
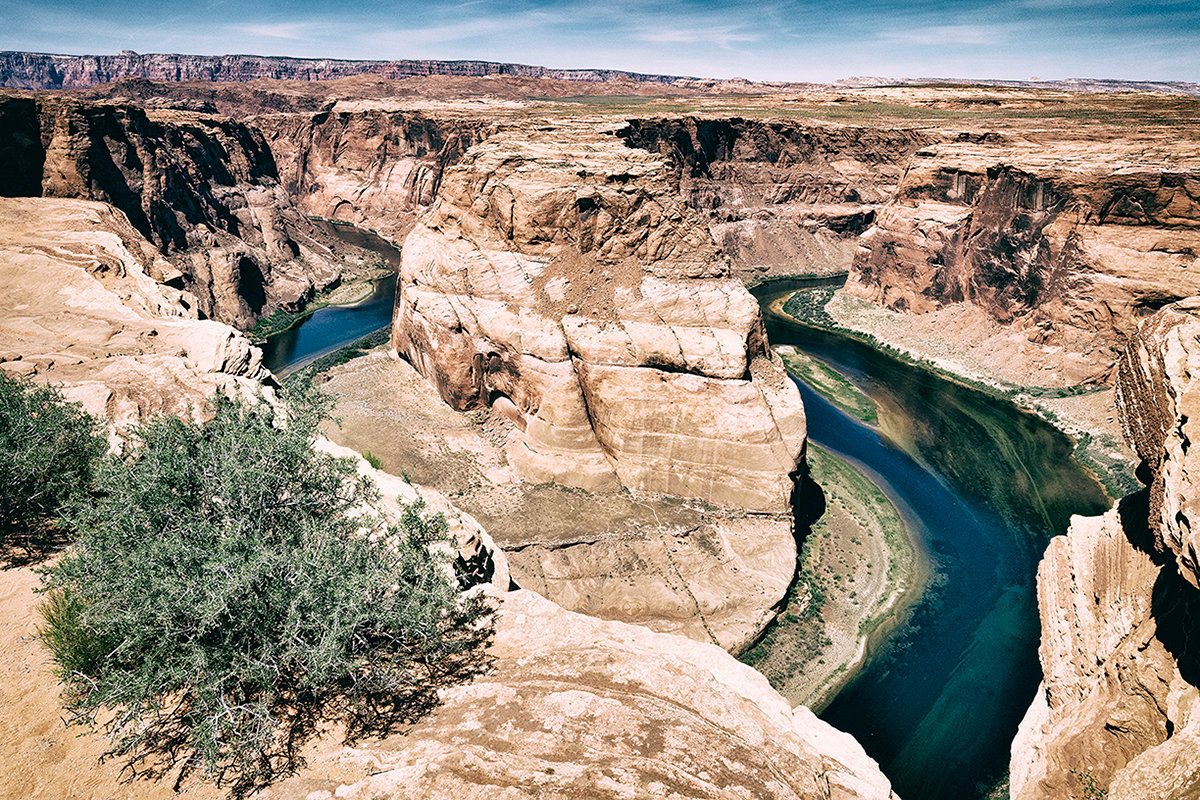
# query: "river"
{"type": "Point", "coordinates": [332, 327]}
{"type": "Point", "coordinates": [987, 485]}
{"type": "Point", "coordinates": [939, 703]}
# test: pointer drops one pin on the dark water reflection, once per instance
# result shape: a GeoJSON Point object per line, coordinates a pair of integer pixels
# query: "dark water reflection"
{"type": "Point", "coordinates": [939, 704]}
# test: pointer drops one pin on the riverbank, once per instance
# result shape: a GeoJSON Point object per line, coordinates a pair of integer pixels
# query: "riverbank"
{"type": "Point", "coordinates": [977, 357]}
{"type": "Point", "coordinates": [860, 573]}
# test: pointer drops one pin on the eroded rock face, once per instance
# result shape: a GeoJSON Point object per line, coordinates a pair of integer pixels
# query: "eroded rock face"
{"type": "Point", "coordinates": [1119, 708]}
{"type": "Point", "coordinates": [1160, 408]}
{"type": "Point", "coordinates": [561, 279]}
{"type": "Point", "coordinates": [576, 707]}
{"type": "Point", "coordinates": [781, 197]}
{"type": "Point", "coordinates": [79, 308]}
{"type": "Point", "coordinates": [203, 190]}
{"type": "Point", "coordinates": [369, 166]}
{"type": "Point", "coordinates": [47, 71]}
{"type": "Point", "coordinates": [1070, 241]}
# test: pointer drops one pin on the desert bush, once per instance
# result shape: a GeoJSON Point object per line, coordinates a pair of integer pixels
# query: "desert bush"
{"type": "Point", "coordinates": [227, 591]}
{"type": "Point", "coordinates": [48, 450]}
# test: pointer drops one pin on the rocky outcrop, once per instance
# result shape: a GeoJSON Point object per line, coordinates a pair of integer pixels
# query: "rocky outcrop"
{"type": "Point", "coordinates": [1119, 709]}
{"type": "Point", "coordinates": [781, 197]}
{"type": "Point", "coordinates": [203, 190]}
{"type": "Point", "coordinates": [1070, 241]}
{"type": "Point", "coordinates": [46, 71]}
{"type": "Point", "coordinates": [1159, 401]}
{"type": "Point", "coordinates": [370, 166]}
{"type": "Point", "coordinates": [82, 307]}
{"type": "Point", "coordinates": [576, 707]}
{"type": "Point", "coordinates": [561, 280]}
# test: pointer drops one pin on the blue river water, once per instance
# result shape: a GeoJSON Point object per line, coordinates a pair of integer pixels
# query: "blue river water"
{"type": "Point", "coordinates": [939, 703]}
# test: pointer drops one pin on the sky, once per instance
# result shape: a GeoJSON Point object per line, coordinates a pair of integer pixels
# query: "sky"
{"type": "Point", "coordinates": [790, 40]}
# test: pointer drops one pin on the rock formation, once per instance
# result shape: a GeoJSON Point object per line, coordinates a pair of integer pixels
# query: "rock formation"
{"type": "Point", "coordinates": [1070, 241]}
{"type": "Point", "coordinates": [781, 197]}
{"type": "Point", "coordinates": [560, 280]}
{"type": "Point", "coordinates": [83, 306]}
{"type": "Point", "coordinates": [1119, 709]}
{"type": "Point", "coordinates": [372, 167]}
{"type": "Point", "coordinates": [576, 707]}
{"type": "Point", "coordinates": [204, 190]}
{"type": "Point", "coordinates": [46, 71]}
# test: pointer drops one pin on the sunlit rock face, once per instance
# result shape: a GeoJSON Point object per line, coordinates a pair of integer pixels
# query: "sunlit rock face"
{"type": "Point", "coordinates": [203, 189]}
{"type": "Point", "coordinates": [1071, 241]}
{"type": "Point", "coordinates": [560, 278]}
{"type": "Point", "coordinates": [781, 196]}
{"type": "Point", "coordinates": [576, 707]}
{"type": "Point", "coordinates": [1119, 708]}
{"type": "Point", "coordinates": [368, 165]}
{"type": "Point", "coordinates": [82, 308]}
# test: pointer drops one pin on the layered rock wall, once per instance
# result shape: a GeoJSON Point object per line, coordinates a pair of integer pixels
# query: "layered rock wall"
{"type": "Point", "coordinates": [1119, 709]}
{"type": "Point", "coordinates": [203, 190]}
{"type": "Point", "coordinates": [781, 197]}
{"type": "Point", "coordinates": [1070, 241]}
{"type": "Point", "coordinates": [560, 280]}
{"type": "Point", "coordinates": [373, 167]}
{"type": "Point", "coordinates": [46, 71]}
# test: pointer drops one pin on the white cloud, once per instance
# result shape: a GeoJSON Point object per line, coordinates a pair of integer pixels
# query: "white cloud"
{"type": "Point", "coordinates": [945, 34]}
{"type": "Point", "coordinates": [293, 31]}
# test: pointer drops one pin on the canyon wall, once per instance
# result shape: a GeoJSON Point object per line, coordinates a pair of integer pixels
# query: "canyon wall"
{"type": "Point", "coordinates": [1119, 709]}
{"type": "Point", "coordinates": [47, 71]}
{"type": "Point", "coordinates": [370, 166]}
{"type": "Point", "coordinates": [1071, 241]}
{"type": "Point", "coordinates": [781, 197]}
{"type": "Point", "coordinates": [204, 190]}
{"type": "Point", "coordinates": [82, 307]}
{"type": "Point", "coordinates": [562, 281]}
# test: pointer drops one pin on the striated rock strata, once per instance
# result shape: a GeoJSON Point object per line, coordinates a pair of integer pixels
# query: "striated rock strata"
{"type": "Point", "coordinates": [80, 308]}
{"type": "Point", "coordinates": [372, 167]}
{"type": "Point", "coordinates": [51, 71]}
{"type": "Point", "coordinates": [561, 280]}
{"type": "Point", "coordinates": [204, 190]}
{"type": "Point", "coordinates": [1070, 241]}
{"type": "Point", "coordinates": [781, 197]}
{"type": "Point", "coordinates": [1119, 709]}
{"type": "Point", "coordinates": [576, 707]}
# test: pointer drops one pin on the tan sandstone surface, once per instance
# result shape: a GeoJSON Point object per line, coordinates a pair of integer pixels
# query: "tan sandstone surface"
{"type": "Point", "coordinates": [674, 566]}
{"type": "Point", "coordinates": [80, 308]}
{"type": "Point", "coordinates": [559, 278]}
{"type": "Point", "coordinates": [1120, 702]}
{"type": "Point", "coordinates": [575, 707]}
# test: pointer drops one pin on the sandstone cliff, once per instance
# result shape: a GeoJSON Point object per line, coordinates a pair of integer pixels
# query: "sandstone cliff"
{"type": "Point", "coordinates": [372, 167]}
{"type": "Point", "coordinates": [82, 307]}
{"type": "Point", "coordinates": [203, 190]}
{"type": "Point", "coordinates": [1068, 240]}
{"type": "Point", "coordinates": [561, 280]}
{"type": "Point", "coordinates": [49, 71]}
{"type": "Point", "coordinates": [781, 197]}
{"type": "Point", "coordinates": [1119, 709]}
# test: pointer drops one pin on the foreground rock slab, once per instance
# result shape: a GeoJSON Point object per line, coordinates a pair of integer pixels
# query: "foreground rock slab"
{"type": "Point", "coordinates": [575, 707]}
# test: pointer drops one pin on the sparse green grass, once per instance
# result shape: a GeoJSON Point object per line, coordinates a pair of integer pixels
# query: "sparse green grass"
{"type": "Point", "coordinates": [830, 384]}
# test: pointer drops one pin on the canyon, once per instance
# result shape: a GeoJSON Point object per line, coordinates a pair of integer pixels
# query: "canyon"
{"type": "Point", "coordinates": [572, 306]}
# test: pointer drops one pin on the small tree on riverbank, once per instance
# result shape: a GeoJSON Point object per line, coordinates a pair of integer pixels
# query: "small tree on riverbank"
{"type": "Point", "coordinates": [226, 593]}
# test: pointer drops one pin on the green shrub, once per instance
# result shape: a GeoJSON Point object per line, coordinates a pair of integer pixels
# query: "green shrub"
{"type": "Point", "coordinates": [224, 596]}
{"type": "Point", "coordinates": [375, 461]}
{"type": "Point", "coordinates": [48, 451]}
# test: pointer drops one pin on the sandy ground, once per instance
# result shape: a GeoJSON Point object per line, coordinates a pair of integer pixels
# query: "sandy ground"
{"type": "Point", "coordinates": [40, 757]}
